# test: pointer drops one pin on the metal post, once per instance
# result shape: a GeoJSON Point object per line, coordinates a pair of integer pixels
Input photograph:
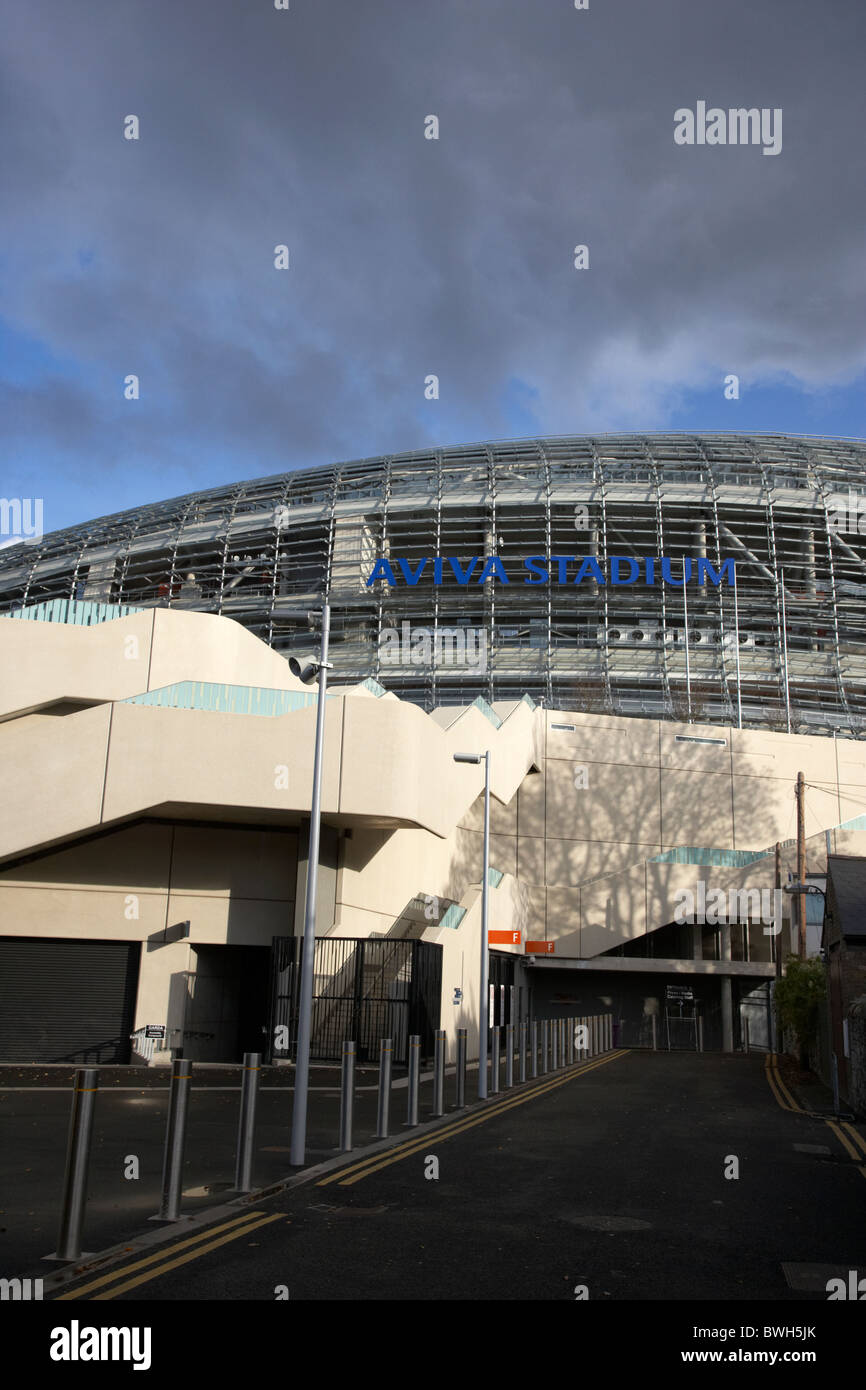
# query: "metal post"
{"type": "Point", "coordinates": [414, 1077]}
{"type": "Point", "coordinates": [737, 644]}
{"type": "Point", "coordinates": [347, 1087]}
{"type": "Point", "coordinates": [522, 1045]}
{"type": "Point", "coordinates": [509, 1056]}
{"type": "Point", "coordinates": [533, 1029]}
{"type": "Point", "coordinates": [571, 1042]}
{"type": "Point", "coordinates": [746, 1034]}
{"type": "Point", "coordinates": [801, 862]}
{"type": "Point", "coordinates": [785, 655]}
{"type": "Point", "coordinates": [247, 1125]}
{"type": "Point", "coordinates": [175, 1135]}
{"type": "Point", "coordinates": [298, 1147]}
{"type": "Point", "coordinates": [834, 1074]}
{"type": "Point", "coordinates": [545, 1043]}
{"type": "Point", "coordinates": [461, 1068]}
{"type": "Point", "coordinates": [700, 1033]}
{"type": "Point", "coordinates": [386, 1053]}
{"type": "Point", "coordinates": [494, 1079]}
{"type": "Point", "coordinates": [686, 634]}
{"type": "Point", "coordinates": [439, 1072]}
{"type": "Point", "coordinates": [84, 1089]}
{"type": "Point", "coordinates": [655, 1037]}
{"type": "Point", "coordinates": [484, 1020]}
{"type": "Point", "coordinates": [554, 1044]}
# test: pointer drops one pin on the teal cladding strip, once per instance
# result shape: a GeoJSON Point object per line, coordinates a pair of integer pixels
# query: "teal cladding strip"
{"type": "Point", "coordinates": [80, 612]}
{"type": "Point", "coordinates": [226, 699]}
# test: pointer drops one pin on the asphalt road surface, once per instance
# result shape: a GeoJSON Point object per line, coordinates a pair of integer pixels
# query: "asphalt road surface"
{"type": "Point", "coordinates": [634, 1176]}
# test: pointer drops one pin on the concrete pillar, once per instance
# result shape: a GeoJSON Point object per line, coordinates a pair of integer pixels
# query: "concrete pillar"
{"type": "Point", "coordinates": [727, 995]}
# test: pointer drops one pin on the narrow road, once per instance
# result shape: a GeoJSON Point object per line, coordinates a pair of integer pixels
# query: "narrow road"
{"type": "Point", "coordinates": [636, 1176]}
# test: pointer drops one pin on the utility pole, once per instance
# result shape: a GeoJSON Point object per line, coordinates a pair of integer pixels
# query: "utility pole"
{"type": "Point", "coordinates": [801, 860]}
{"type": "Point", "coordinates": [778, 939]}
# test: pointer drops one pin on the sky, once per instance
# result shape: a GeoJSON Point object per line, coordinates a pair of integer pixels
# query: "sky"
{"type": "Point", "coordinates": [411, 257]}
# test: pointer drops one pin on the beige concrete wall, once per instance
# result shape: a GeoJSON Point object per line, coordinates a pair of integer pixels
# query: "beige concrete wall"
{"type": "Point", "coordinates": [613, 793]}
{"type": "Point", "coordinates": [234, 886]}
{"type": "Point", "coordinates": [44, 662]}
{"type": "Point", "coordinates": [573, 839]}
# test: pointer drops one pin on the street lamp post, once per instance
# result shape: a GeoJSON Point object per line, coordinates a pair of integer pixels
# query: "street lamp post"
{"type": "Point", "coordinates": [483, 1011]}
{"type": "Point", "coordinates": [307, 674]}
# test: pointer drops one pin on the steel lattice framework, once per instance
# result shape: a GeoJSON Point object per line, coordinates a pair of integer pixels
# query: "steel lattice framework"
{"type": "Point", "coordinates": [792, 655]}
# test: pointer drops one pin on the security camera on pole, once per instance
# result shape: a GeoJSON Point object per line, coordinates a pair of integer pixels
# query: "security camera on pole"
{"type": "Point", "coordinates": [307, 674]}
{"type": "Point", "coordinates": [483, 1020]}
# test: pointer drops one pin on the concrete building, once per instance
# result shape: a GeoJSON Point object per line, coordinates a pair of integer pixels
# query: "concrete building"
{"type": "Point", "coordinates": [158, 772]}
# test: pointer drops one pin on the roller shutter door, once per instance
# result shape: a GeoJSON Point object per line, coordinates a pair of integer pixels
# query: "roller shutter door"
{"type": "Point", "coordinates": [66, 1001]}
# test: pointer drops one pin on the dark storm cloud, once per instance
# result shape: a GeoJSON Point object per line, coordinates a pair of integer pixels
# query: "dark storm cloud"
{"type": "Point", "coordinates": [408, 256]}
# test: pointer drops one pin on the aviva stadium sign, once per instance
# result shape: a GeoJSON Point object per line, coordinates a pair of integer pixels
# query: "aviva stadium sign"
{"type": "Point", "coordinates": [556, 569]}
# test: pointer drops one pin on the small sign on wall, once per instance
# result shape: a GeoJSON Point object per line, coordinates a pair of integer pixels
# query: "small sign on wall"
{"type": "Point", "coordinates": [154, 1030]}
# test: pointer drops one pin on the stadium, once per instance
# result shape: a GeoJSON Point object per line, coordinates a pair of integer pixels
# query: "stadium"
{"type": "Point", "coordinates": [653, 640]}
{"type": "Point", "coordinates": [783, 648]}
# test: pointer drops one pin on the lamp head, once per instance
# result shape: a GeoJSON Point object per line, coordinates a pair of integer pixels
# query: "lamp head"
{"type": "Point", "coordinates": [306, 673]}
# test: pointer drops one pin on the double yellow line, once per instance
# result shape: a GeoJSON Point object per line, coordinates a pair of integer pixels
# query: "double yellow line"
{"type": "Point", "coordinates": [239, 1226]}
{"type": "Point", "coordinates": [356, 1172]}
{"type": "Point", "coordinates": [131, 1276]}
{"type": "Point", "coordinates": [844, 1132]}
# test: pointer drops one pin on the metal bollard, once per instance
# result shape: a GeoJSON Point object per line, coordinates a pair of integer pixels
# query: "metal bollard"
{"type": "Point", "coordinates": [700, 1034]}
{"type": "Point", "coordinates": [534, 1032]}
{"type": "Point", "coordinates": [247, 1123]}
{"type": "Point", "coordinates": [461, 1068]}
{"type": "Point", "coordinates": [385, 1057]}
{"type": "Point", "coordinates": [494, 1078]}
{"type": "Point", "coordinates": [655, 1037]}
{"type": "Point", "coordinates": [834, 1074]}
{"type": "Point", "coordinates": [545, 1037]}
{"type": "Point", "coordinates": [414, 1077]}
{"type": "Point", "coordinates": [509, 1056]}
{"type": "Point", "coordinates": [84, 1089]}
{"type": "Point", "coordinates": [571, 1042]}
{"type": "Point", "coordinates": [175, 1137]}
{"type": "Point", "coordinates": [563, 1035]}
{"type": "Point", "coordinates": [554, 1044]}
{"type": "Point", "coordinates": [347, 1087]}
{"type": "Point", "coordinates": [439, 1072]}
{"type": "Point", "coordinates": [523, 1039]}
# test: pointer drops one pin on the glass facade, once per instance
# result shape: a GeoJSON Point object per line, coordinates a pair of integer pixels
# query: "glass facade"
{"type": "Point", "coordinates": [787, 651]}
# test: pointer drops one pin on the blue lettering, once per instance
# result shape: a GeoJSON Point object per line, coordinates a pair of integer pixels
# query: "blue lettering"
{"type": "Point", "coordinates": [411, 576]}
{"type": "Point", "coordinates": [495, 564]}
{"type": "Point", "coordinates": [589, 566]}
{"type": "Point", "coordinates": [668, 577]}
{"type": "Point", "coordinates": [381, 570]}
{"type": "Point", "coordinates": [534, 568]}
{"type": "Point", "coordinates": [461, 576]}
{"type": "Point", "coordinates": [616, 561]}
{"type": "Point", "coordinates": [705, 569]}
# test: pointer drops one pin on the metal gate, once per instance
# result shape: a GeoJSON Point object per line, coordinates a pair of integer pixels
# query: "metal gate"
{"type": "Point", "coordinates": [363, 990]}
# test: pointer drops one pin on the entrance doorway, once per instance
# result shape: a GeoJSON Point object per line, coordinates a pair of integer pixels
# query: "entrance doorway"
{"type": "Point", "coordinates": [227, 1007]}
